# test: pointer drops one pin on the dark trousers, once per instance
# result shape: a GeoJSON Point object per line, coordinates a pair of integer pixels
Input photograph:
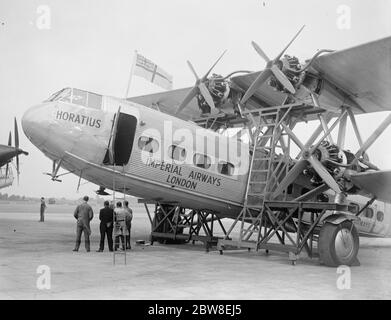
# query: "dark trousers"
{"type": "Point", "coordinates": [42, 217]}
{"type": "Point", "coordinates": [104, 230]}
{"type": "Point", "coordinates": [79, 230]}
{"type": "Point", "coordinates": [128, 238]}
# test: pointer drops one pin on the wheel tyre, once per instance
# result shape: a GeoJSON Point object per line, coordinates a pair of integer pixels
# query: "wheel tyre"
{"type": "Point", "coordinates": [327, 244]}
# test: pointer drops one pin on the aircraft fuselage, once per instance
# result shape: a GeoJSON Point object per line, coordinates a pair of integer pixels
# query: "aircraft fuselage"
{"type": "Point", "coordinates": [130, 148]}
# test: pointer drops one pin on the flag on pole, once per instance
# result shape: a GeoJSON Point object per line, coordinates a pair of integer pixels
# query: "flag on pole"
{"type": "Point", "coordinates": [150, 71]}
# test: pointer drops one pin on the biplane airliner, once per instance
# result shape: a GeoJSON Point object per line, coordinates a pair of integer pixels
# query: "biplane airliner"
{"type": "Point", "coordinates": [171, 147]}
{"type": "Point", "coordinates": [7, 153]}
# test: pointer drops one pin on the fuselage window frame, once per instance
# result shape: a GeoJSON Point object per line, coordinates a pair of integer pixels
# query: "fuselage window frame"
{"type": "Point", "coordinates": [177, 153]}
{"type": "Point", "coordinates": [355, 206]}
{"type": "Point", "coordinates": [369, 213]}
{"type": "Point", "coordinates": [142, 145]}
{"type": "Point", "coordinates": [225, 168]}
{"type": "Point", "coordinates": [380, 216]}
{"type": "Point", "coordinates": [207, 161]}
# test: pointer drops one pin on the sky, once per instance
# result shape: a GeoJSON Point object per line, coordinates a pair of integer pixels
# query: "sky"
{"type": "Point", "coordinates": [46, 45]}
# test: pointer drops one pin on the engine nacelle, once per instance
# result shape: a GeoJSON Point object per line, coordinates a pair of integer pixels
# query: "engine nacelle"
{"type": "Point", "coordinates": [219, 89]}
{"type": "Point", "coordinates": [291, 67]}
{"type": "Point", "coordinates": [336, 161]}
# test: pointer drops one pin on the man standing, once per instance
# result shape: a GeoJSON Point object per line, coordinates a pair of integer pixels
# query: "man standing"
{"type": "Point", "coordinates": [83, 214]}
{"type": "Point", "coordinates": [106, 226]}
{"type": "Point", "coordinates": [119, 225]}
{"type": "Point", "coordinates": [42, 210]}
{"type": "Point", "coordinates": [128, 220]}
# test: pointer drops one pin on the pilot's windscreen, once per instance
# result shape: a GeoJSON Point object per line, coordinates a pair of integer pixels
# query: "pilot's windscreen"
{"type": "Point", "coordinates": [63, 95]}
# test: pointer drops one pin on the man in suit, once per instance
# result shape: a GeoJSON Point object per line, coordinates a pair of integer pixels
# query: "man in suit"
{"type": "Point", "coordinates": [106, 226]}
{"type": "Point", "coordinates": [83, 214]}
{"type": "Point", "coordinates": [42, 210]}
{"type": "Point", "coordinates": [128, 220]}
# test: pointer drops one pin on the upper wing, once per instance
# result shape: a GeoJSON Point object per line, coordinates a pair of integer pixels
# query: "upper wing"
{"type": "Point", "coordinates": [377, 183]}
{"type": "Point", "coordinates": [168, 102]}
{"type": "Point", "coordinates": [363, 72]}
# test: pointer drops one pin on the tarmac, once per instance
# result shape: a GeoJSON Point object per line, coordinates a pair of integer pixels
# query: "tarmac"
{"type": "Point", "coordinates": [30, 249]}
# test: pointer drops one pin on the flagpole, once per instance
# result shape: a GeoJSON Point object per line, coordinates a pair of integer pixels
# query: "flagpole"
{"type": "Point", "coordinates": [131, 74]}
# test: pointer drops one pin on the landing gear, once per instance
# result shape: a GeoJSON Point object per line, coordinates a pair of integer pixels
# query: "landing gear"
{"type": "Point", "coordinates": [338, 244]}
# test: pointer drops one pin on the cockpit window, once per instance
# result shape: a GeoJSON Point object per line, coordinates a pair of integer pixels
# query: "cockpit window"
{"type": "Point", "coordinates": [94, 100]}
{"type": "Point", "coordinates": [63, 95]}
{"type": "Point", "coordinates": [79, 97]}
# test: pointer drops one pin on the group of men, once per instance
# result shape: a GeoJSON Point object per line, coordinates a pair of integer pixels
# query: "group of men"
{"type": "Point", "coordinates": [116, 220]}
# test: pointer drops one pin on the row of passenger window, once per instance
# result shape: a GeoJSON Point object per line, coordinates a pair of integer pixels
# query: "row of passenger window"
{"type": "Point", "coordinates": [178, 153]}
{"type": "Point", "coordinates": [368, 212]}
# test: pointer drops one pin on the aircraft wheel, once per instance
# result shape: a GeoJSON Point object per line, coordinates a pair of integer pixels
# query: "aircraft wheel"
{"type": "Point", "coordinates": [338, 244]}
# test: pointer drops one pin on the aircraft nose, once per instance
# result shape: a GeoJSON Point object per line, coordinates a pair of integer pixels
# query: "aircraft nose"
{"type": "Point", "coordinates": [32, 123]}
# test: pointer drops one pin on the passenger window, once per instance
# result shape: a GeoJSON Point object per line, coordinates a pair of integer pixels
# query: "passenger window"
{"type": "Point", "coordinates": [369, 213]}
{"type": "Point", "coordinates": [354, 208]}
{"type": "Point", "coordinates": [202, 161]}
{"type": "Point", "coordinates": [380, 216]}
{"type": "Point", "coordinates": [177, 153]}
{"type": "Point", "coordinates": [148, 144]}
{"type": "Point", "coordinates": [79, 97]}
{"type": "Point", "coordinates": [94, 100]}
{"type": "Point", "coordinates": [225, 168]}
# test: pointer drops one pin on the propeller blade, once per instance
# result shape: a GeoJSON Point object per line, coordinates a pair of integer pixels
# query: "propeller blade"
{"type": "Point", "coordinates": [16, 134]}
{"type": "Point", "coordinates": [199, 87]}
{"type": "Point", "coordinates": [324, 174]}
{"type": "Point", "coordinates": [192, 93]}
{"type": "Point", "coordinates": [260, 51]}
{"type": "Point", "coordinates": [293, 137]}
{"type": "Point", "coordinates": [17, 147]}
{"type": "Point", "coordinates": [291, 176]}
{"type": "Point", "coordinates": [281, 77]}
{"type": "Point", "coordinates": [17, 167]}
{"type": "Point", "coordinates": [256, 84]}
{"type": "Point", "coordinates": [211, 68]}
{"type": "Point", "coordinates": [206, 94]}
{"type": "Point", "coordinates": [9, 139]}
{"type": "Point", "coordinates": [193, 70]}
{"type": "Point", "coordinates": [288, 45]}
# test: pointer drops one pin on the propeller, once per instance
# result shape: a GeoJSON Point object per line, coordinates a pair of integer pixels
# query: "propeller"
{"type": "Point", "coordinates": [271, 69]}
{"type": "Point", "coordinates": [307, 158]}
{"type": "Point", "coordinates": [199, 87]}
{"type": "Point", "coordinates": [9, 144]}
{"type": "Point", "coordinates": [16, 137]}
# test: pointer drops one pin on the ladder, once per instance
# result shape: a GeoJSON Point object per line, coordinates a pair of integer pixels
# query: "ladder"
{"type": "Point", "coordinates": [265, 171]}
{"type": "Point", "coordinates": [263, 154]}
{"type": "Point", "coordinates": [260, 174]}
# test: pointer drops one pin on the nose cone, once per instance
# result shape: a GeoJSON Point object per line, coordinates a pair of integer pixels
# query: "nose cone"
{"type": "Point", "coordinates": [33, 123]}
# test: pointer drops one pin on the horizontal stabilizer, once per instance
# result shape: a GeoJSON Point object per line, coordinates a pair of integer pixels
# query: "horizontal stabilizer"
{"type": "Point", "coordinates": [377, 183]}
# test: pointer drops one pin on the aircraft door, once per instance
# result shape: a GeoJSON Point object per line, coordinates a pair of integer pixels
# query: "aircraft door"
{"type": "Point", "coordinates": [121, 139]}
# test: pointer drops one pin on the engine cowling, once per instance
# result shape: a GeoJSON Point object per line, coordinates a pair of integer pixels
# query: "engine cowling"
{"type": "Point", "coordinates": [219, 89]}
{"type": "Point", "coordinates": [336, 161]}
